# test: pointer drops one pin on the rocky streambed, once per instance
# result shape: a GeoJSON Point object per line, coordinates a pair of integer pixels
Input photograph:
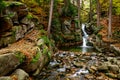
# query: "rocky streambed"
{"type": "Point", "coordinates": [67, 65]}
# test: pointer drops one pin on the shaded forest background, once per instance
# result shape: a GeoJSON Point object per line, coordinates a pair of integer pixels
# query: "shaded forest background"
{"type": "Point", "coordinates": [90, 11]}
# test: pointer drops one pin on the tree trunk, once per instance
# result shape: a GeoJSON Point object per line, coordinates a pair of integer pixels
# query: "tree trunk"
{"type": "Point", "coordinates": [110, 20]}
{"type": "Point", "coordinates": [98, 13]}
{"type": "Point", "coordinates": [90, 15]}
{"type": "Point", "coordinates": [50, 17]}
{"type": "Point", "coordinates": [78, 3]}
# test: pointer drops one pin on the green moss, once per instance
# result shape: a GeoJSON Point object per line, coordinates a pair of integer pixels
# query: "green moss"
{"type": "Point", "coordinates": [49, 54]}
{"type": "Point", "coordinates": [72, 48]}
{"type": "Point", "coordinates": [36, 57]}
{"type": "Point", "coordinates": [45, 49]}
{"type": "Point", "coordinates": [46, 40]}
{"type": "Point", "coordinates": [99, 36]}
{"type": "Point", "coordinates": [13, 3]}
{"type": "Point", "coordinates": [20, 56]}
{"type": "Point", "coordinates": [2, 5]}
{"type": "Point", "coordinates": [29, 16]}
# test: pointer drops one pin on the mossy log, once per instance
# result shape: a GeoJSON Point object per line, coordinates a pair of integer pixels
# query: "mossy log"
{"type": "Point", "coordinates": [30, 54]}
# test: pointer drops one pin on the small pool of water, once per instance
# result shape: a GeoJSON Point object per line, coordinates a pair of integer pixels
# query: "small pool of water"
{"type": "Point", "coordinates": [79, 49]}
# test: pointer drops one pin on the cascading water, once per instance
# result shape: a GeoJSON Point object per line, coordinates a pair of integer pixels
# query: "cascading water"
{"type": "Point", "coordinates": [85, 36]}
{"type": "Point", "coordinates": [85, 47]}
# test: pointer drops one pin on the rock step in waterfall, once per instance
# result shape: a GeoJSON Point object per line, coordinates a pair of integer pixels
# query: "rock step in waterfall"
{"type": "Point", "coordinates": [84, 46]}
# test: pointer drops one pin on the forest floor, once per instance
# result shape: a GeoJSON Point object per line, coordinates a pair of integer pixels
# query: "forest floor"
{"type": "Point", "coordinates": [115, 40]}
{"type": "Point", "coordinates": [69, 65]}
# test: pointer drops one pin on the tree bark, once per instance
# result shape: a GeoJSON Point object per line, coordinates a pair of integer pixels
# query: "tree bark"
{"type": "Point", "coordinates": [98, 13]}
{"type": "Point", "coordinates": [90, 15]}
{"type": "Point", "coordinates": [50, 17]}
{"type": "Point", "coordinates": [78, 3]}
{"type": "Point", "coordinates": [110, 20]}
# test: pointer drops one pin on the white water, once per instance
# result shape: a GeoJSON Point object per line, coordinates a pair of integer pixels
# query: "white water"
{"type": "Point", "coordinates": [85, 36]}
{"type": "Point", "coordinates": [79, 72]}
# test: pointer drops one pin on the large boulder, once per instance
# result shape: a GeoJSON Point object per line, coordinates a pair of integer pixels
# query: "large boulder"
{"type": "Point", "coordinates": [29, 53]}
{"type": "Point", "coordinates": [13, 7]}
{"type": "Point", "coordinates": [14, 22]}
{"type": "Point", "coordinates": [20, 74]}
{"type": "Point", "coordinates": [8, 62]}
{"type": "Point", "coordinates": [5, 24]}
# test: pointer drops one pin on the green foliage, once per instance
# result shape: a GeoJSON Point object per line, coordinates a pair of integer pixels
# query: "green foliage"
{"type": "Point", "coordinates": [49, 54]}
{"type": "Point", "coordinates": [117, 33]}
{"type": "Point", "coordinates": [116, 7]}
{"type": "Point", "coordinates": [20, 56]}
{"type": "Point", "coordinates": [29, 16]}
{"type": "Point", "coordinates": [37, 56]}
{"type": "Point", "coordinates": [72, 48]}
{"type": "Point", "coordinates": [70, 11]}
{"type": "Point", "coordinates": [96, 29]}
{"type": "Point", "coordinates": [2, 5]}
{"type": "Point", "coordinates": [99, 36]}
{"type": "Point", "coordinates": [46, 40]}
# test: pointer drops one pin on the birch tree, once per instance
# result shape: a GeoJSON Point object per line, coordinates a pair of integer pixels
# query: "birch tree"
{"type": "Point", "coordinates": [110, 20]}
{"type": "Point", "coordinates": [50, 17]}
{"type": "Point", "coordinates": [78, 3]}
{"type": "Point", "coordinates": [90, 15]}
{"type": "Point", "coordinates": [98, 13]}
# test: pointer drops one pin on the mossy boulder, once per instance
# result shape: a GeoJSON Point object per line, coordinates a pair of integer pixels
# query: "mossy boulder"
{"type": "Point", "coordinates": [29, 54]}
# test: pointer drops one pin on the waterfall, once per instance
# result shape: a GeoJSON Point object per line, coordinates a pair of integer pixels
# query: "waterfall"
{"type": "Point", "coordinates": [85, 36]}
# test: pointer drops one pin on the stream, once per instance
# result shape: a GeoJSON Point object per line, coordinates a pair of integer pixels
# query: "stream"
{"type": "Point", "coordinates": [85, 64]}
{"type": "Point", "coordinates": [85, 47]}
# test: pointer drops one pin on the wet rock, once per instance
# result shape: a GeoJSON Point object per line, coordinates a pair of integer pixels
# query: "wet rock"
{"type": "Point", "coordinates": [54, 76]}
{"type": "Point", "coordinates": [114, 68]}
{"type": "Point", "coordinates": [94, 68]}
{"type": "Point", "coordinates": [6, 78]}
{"type": "Point", "coordinates": [109, 58]}
{"type": "Point", "coordinates": [100, 78]}
{"type": "Point", "coordinates": [93, 54]}
{"type": "Point", "coordinates": [111, 75]}
{"type": "Point", "coordinates": [114, 61]}
{"type": "Point", "coordinates": [8, 62]}
{"type": "Point", "coordinates": [87, 58]}
{"type": "Point", "coordinates": [78, 64]}
{"type": "Point", "coordinates": [20, 74]}
{"type": "Point", "coordinates": [74, 78]}
{"type": "Point", "coordinates": [61, 69]}
{"type": "Point", "coordinates": [115, 49]}
{"type": "Point", "coordinates": [91, 70]}
{"type": "Point", "coordinates": [89, 76]}
{"type": "Point", "coordinates": [103, 67]}
{"type": "Point", "coordinates": [54, 64]}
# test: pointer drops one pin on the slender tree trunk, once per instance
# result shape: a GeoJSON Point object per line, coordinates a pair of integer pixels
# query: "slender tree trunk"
{"type": "Point", "coordinates": [90, 15]}
{"type": "Point", "coordinates": [98, 13]}
{"type": "Point", "coordinates": [78, 3]}
{"type": "Point", "coordinates": [50, 17]}
{"type": "Point", "coordinates": [110, 20]}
